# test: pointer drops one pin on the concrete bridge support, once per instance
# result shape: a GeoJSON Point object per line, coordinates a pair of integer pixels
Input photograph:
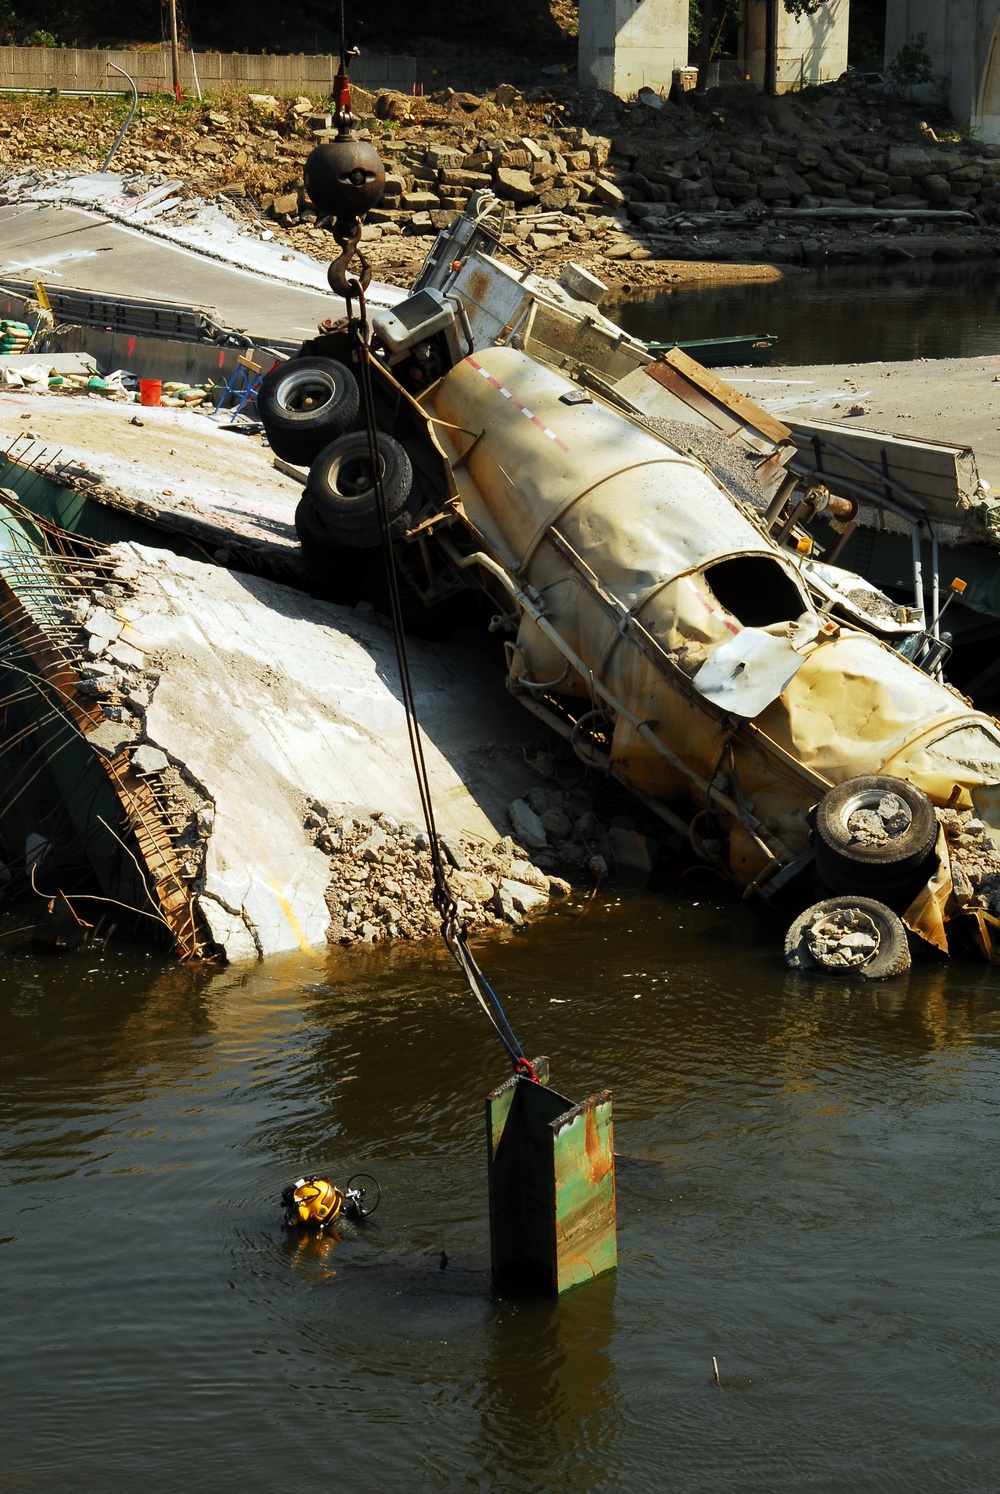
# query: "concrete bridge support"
{"type": "Point", "coordinates": [626, 45]}
{"type": "Point", "coordinates": [963, 41]}
{"type": "Point", "coordinates": [810, 49]}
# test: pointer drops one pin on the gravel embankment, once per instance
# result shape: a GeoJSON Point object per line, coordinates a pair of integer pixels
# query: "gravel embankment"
{"type": "Point", "coordinates": [634, 190]}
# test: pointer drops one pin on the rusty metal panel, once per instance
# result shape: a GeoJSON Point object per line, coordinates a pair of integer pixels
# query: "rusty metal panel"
{"type": "Point", "coordinates": [551, 1186]}
{"type": "Point", "coordinates": [583, 1143]}
{"type": "Point", "coordinates": [983, 931]}
{"type": "Point", "coordinates": [521, 1183]}
{"type": "Point", "coordinates": [739, 405]}
{"type": "Point", "coordinates": [32, 586]}
{"type": "Point", "coordinates": [688, 393]}
{"type": "Point", "coordinates": [568, 339]}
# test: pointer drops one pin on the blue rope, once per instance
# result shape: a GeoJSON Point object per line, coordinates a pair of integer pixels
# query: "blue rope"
{"type": "Point", "coordinates": [478, 984]}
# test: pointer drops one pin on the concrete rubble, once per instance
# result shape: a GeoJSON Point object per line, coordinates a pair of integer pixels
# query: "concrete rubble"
{"type": "Point", "coordinates": [975, 860]}
{"type": "Point", "coordinates": [875, 827]}
{"type": "Point", "coordinates": [632, 190]}
{"type": "Point", "coordinates": [183, 657]}
{"type": "Point", "coordinates": [382, 879]}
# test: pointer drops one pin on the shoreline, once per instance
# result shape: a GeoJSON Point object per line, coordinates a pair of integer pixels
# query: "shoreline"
{"type": "Point", "coordinates": [727, 261]}
{"type": "Point", "coordinates": [632, 191]}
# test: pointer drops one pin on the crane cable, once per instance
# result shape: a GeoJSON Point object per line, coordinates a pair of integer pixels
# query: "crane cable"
{"type": "Point", "coordinates": [452, 930]}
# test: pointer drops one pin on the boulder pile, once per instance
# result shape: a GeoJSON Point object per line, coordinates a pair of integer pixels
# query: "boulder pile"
{"type": "Point", "coordinates": [626, 195]}
{"type": "Point", "coordinates": [382, 882]}
{"type": "Point", "coordinates": [629, 189]}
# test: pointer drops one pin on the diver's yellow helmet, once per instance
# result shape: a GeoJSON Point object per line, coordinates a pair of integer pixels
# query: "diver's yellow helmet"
{"type": "Point", "coordinates": [312, 1201]}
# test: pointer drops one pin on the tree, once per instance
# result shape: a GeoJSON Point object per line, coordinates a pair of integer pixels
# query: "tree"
{"type": "Point", "coordinates": [705, 43]}
{"type": "Point", "coordinates": [708, 19]}
{"type": "Point", "coordinates": [911, 65]}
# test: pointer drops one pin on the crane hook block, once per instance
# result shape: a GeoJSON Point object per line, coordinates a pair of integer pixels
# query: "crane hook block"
{"type": "Point", "coordinates": [344, 178]}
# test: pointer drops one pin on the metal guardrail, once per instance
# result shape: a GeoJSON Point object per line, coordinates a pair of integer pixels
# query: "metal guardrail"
{"type": "Point", "coordinates": [138, 317]}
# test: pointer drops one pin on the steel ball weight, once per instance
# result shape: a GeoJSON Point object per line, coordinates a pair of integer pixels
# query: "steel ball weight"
{"type": "Point", "coordinates": [344, 178]}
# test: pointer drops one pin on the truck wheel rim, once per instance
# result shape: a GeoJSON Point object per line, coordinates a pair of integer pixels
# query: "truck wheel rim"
{"type": "Point", "coordinates": [844, 939]}
{"type": "Point", "coordinates": [356, 476]}
{"type": "Point", "coordinates": [868, 802]}
{"type": "Point", "coordinates": [305, 389]}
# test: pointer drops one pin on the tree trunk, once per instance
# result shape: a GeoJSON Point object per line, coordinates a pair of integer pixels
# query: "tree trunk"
{"type": "Point", "coordinates": [705, 43]}
{"type": "Point", "coordinates": [771, 48]}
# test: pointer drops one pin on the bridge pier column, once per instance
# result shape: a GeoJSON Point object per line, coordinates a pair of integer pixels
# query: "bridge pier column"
{"type": "Point", "coordinates": [809, 49]}
{"type": "Point", "coordinates": [626, 45]}
{"type": "Point", "coordinates": [962, 39]}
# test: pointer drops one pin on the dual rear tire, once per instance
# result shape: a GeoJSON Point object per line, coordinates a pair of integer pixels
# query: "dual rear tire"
{"type": "Point", "coordinates": [341, 497]}
{"type": "Point", "coordinates": [875, 840]}
{"type": "Point", "coordinates": [338, 525]}
{"type": "Point", "coordinates": [304, 404]}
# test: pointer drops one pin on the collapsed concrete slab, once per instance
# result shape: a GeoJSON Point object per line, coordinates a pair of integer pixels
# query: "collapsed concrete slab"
{"type": "Point", "coordinates": [271, 703]}
{"type": "Point", "coordinates": [171, 469]}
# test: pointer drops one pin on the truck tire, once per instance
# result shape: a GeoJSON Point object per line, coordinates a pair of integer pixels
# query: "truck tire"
{"type": "Point", "coordinates": [304, 404]}
{"type": "Point", "coordinates": [337, 569]}
{"type": "Point", "coordinates": [341, 489]}
{"type": "Point", "coordinates": [853, 936]}
{"type": "Point", "coordinates": [435, 622]}
{"type": "Point", "coordinates": [899, 856]}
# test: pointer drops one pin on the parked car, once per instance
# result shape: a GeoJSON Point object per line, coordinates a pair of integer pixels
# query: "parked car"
{"type": "Point", "coordinates": [862, 78]}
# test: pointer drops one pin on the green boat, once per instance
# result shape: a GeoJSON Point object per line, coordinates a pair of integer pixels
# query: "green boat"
{"type": "Point", "coordinates": [723, 352]}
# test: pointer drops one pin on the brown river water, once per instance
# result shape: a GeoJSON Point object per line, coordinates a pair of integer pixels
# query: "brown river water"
{"type": "Point", "coordinates": [809, 1189]}
{"type": "Point", "coordinates": [808, 1178]}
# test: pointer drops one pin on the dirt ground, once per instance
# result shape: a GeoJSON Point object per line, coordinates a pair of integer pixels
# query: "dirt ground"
{"type": "Point", "coordinates": [954, 400]}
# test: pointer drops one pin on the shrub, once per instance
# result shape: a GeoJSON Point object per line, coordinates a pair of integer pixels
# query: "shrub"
{"type": "Point", "coordinates": [911, 65]}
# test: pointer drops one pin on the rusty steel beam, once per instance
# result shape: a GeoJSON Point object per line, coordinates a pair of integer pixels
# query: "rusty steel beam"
{"type": "Point", "coordinates": [551, 1186]}
{"type": "Point", "coordinates": [140, 813]}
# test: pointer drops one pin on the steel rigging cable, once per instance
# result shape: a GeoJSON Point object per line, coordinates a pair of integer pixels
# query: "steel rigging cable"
{"type": "Point", "coordinates": [452, 931]}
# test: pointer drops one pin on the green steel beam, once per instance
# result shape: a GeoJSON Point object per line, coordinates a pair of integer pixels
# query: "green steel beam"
{"type": "Point", "coordinates": [551, 1186]}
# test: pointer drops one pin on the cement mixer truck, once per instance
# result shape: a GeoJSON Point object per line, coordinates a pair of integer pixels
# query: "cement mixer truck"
{"type": "Point", "coordinates": [683, 639]}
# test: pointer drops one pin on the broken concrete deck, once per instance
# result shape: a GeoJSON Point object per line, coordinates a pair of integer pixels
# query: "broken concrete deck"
{"type": "Point", "coordinates": [218, 270]}
{"type": "Point", "coordinates": [271, 701]}
{"type": "Point", "coordinates": [179, 469]}
{"type": "Point", "coordinates": [944, 399]}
